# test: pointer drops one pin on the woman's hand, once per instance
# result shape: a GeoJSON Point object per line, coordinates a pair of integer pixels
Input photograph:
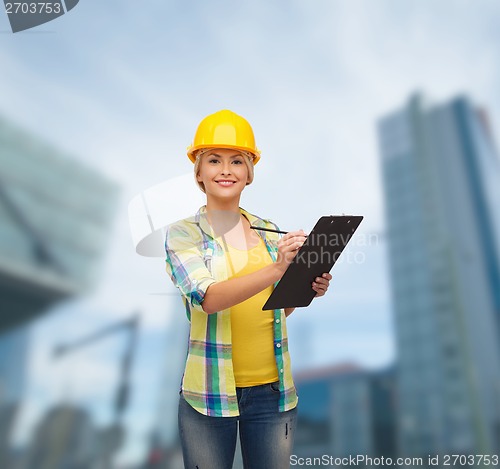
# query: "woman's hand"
{"type": "Point", "coordinates": [288, 247]}
{"type": "Point", "coordinates": [321, 284]}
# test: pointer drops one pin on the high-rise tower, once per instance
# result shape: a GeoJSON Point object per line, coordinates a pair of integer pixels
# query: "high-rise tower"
{"type": "Point", "coordinates": [441, 182]}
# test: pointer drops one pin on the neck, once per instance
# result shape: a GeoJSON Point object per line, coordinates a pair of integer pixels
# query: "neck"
{"type": "Point", "coordinates": [232, 205]}
{"type": "Point", "coordinates": [223, 216]}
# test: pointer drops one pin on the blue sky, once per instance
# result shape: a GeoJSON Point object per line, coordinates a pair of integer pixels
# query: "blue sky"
{"type": "Point", "coordinates": [122, 85]}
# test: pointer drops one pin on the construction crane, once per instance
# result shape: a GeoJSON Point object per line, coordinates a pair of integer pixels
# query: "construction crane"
{"type": "Point", "coordinates": [113, 437]}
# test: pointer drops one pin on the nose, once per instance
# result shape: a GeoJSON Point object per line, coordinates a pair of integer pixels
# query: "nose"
{"type": "Point", "coordinates": [226, 167]}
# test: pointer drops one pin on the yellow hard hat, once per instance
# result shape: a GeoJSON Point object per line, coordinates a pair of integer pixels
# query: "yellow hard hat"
{"type": "Point", "coordinates": [224, 129]}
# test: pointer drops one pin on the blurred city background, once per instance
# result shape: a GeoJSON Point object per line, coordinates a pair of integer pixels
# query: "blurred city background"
{"type": "Point", "coordinates": [382, 108]}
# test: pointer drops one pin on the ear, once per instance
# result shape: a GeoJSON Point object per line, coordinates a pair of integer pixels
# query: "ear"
{"type": "Point", "coordinates": [198, 175]}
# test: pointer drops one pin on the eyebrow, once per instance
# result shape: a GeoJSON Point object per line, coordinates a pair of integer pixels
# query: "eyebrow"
{"type": "Point", "coordinates": [232, 156]}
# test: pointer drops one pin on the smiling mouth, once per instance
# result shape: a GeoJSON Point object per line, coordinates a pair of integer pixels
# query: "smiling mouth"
{"type": "Point", "coordinates": [225, 183]}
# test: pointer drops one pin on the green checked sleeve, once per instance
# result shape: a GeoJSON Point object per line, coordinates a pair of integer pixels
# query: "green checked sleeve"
{"type": "Point", "coordinates": [186, 263]}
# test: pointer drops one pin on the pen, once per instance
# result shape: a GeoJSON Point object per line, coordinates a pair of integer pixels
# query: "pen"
{"type": "Point", "coordinates": [268, 229]}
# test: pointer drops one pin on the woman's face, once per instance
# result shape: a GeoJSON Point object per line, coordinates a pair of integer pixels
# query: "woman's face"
{"type": "Point", "coordinates": [223, 172]}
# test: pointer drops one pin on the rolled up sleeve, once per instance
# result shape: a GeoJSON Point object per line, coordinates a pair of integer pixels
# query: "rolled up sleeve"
{"type": "Point", "coordinates": [185, 265]}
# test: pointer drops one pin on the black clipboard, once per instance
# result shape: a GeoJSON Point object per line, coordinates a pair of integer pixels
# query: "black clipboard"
{"type": "Point", "coordinates": [317, 255]}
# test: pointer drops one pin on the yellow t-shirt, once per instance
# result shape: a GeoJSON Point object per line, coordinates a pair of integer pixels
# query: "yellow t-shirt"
{"type": "Point", "coordinates": [252, 340]}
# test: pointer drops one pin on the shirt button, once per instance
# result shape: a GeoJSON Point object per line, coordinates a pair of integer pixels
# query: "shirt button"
{"type": "Point", "coordinates": [278, 345]}
{"type": "Point", "coordinates": [281, 371]}
{"type": "Point", "coordinates": [277, 321]}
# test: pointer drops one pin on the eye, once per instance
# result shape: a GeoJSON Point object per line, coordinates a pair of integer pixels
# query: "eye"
{"type": "Point", "coordinates": [213, 160]}
{"type": "Point", "coordinates": [237, 162]}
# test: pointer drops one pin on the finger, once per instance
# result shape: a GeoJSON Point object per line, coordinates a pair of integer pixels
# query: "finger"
{"type": "Point", "coordinates": [319, 293]}
{"type": "Point", "coordinates": [287, 241]}
{"type": "Point", "coordinates": [291, 234]}
{"type": "Point", "coordinates": [293, 246]}
{"type": "Point", "coordinates": [322, 281]}
{"type": "Point", "coordinates": [319, 287]}
{"type": "Point", "coordinates": [299, 244]}
{"type": "Point", "coordinates": [327, 275]}
{"type": "Point", "coordinates": [300, 234]}
{"type": "Point", "coordinates": [293, 241]}
{"type": "Point", "coordinates": [297, 237]}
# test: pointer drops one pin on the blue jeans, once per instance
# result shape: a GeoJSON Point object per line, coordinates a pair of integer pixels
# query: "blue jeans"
{"type": "Point", "coordinates": [266, 435]}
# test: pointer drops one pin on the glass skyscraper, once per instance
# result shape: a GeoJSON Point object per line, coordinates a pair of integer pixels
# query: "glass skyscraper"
{"type": "Point", "coordinates": [55, 218]}
{"type": "Point", "coordinates": [441, 182]}
{"type": "Point", "coordinates": [345, 411]}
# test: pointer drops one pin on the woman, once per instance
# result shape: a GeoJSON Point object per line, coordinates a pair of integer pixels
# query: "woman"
{"type": "Point", "coordinates": [237, 372]}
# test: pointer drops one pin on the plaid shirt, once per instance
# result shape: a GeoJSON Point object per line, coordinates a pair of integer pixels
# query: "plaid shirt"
{"type": "Point", "coordinates": [195, 260]}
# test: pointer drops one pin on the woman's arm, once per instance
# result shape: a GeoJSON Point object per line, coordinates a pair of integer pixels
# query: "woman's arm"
{"type": "Point", "coordinates": [222, 295]}
{"type": "Point", "coordinates": [227, 293]}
